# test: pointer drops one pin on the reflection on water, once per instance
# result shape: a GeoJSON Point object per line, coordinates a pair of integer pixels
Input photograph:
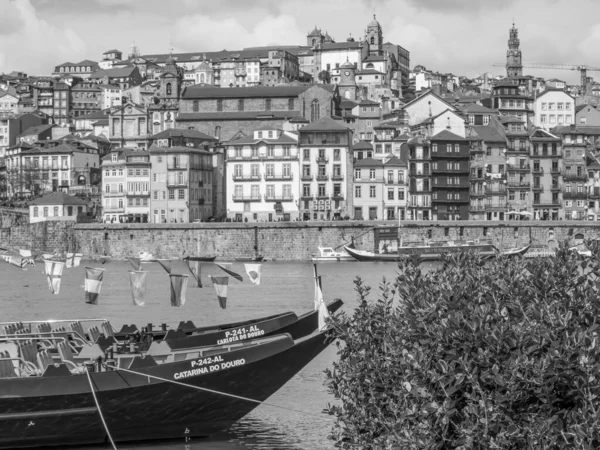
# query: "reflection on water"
{"type": "Point", "coordinates": [297, 422]}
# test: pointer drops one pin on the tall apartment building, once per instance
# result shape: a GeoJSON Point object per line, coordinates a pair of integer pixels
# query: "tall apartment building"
{"type": "Point", "coordinates": [546, 170]}
{"type": "Point", "coordinates": [450, 155]}
{"type": "Point", "coordinates": [182, 184]}
{"type": "Point", "coordinates": [574, 174]}
{"type": "Point", "coordinates": [419, 169]}
{"type": "Point", "coordinates": [326, 152]}
{"type": "Point", "coordinates": [114, 184]}
{"type": "Point", "coordinates": [518, 166]}
{"type": "Point", "coordinates": [262, 172]}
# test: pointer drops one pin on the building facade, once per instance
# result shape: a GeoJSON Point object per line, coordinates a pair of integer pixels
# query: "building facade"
{"type": "Point", "coordinates": [419, 172]}
{"type": "Point", "coordinates": [554, 107]}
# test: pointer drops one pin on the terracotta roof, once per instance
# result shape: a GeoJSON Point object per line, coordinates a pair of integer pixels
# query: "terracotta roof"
{"type": "Point", "coordinates": [57, 198]}
{"type": "Point", "coordinates": [473, 108]}
{"type": "Point", "coordinates": [369, 72]}
{"type": "Point", "coordinates": [582, 107]}
{"type": "Point", "coordinates": [198, 91]}
{"type": "Point", "coordinates": [298, 119]}
{"type": "Point", "coordinates": [362, 145]}
{"type": "Point", "coordinates": [178, 149]}
{"type": "Point", "coordinates": [85, 62]}
{"type": "Point", "coordinates": [237, 115]}
{"type": "Point", "coordinates": [282, 139]}
{"type": "Point", "coordinates": [62, 148]}
{"type": "Point", "coordinates": [111, 51]}
{"type": "Point", "coordinates": [116, 72]}
{"type": "Point", "coordinates": [340, 45]}
{"type": "Point", "coordinates": [488, 133]}
{"type": "Point", "coordinates": [374, 58]}
{"type": "Point", "coordinates": [446, 135]}
{"type": "Point", "coordinates": [368, 162]}
{"type": "Point", "coordinates": [425, 94]}
{"type": "Point", "coordinates": [324, 124]}
{"type": "Point", "coordinates": [368, 102]}
{"type": "Point", "coordinates": [395, 162]}
{"type": "Point", "coordinates": [102, 114]}
{"type": "Point", "coordinates": [577, 130]}
{"type": "Point", "coordinates": [182, 132]}
{"type": "Point", "coordinates": [36, 130]}
{"type": "Point", "coordinates": [347, 104]}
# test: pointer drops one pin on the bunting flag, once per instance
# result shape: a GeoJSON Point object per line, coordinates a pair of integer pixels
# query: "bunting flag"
{"type": "Point", "coordinates": [165, 264]}
{"type": "Point", "coordinates": [16, 261]}
{"type": "Point", "coordinates": [137, 281]}
{"type": "Point", "coordinates": [77, 259]}
{"type": "Point", "coordinates": [178, 288]}
{"type": "Point", "coordinates": [322, 308]}
{"type": "Point", "coordinates": [195, 268]}
{"type": "Point", "coordinates": [70, 260]}
{"type": "Point", "coordinates": [253, 271]}
{"type": "Point", "coordinates": [93, 283]}
{"type": "Point", "coordinates": [220, 284]}
{"type": "Point", "coordinates": [316, 276]}
{"type": "Point", "coordinates": [25, 253]}
{"type": "Point", "coordinates": [227, 269]}
{"type": "Point", "coordinates": [135, 263]}
{"type": "Point", "coordinates": [54, 271]}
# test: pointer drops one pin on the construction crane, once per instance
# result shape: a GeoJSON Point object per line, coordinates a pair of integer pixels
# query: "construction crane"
{"type": "Point", "coordinates": [582, 69]}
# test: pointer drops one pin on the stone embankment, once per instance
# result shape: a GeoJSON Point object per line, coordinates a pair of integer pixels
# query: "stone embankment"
{"type": "Point", "coordinates": [291, 241]}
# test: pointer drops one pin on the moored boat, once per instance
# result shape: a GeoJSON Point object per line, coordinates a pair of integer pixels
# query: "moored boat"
{"type": "Point", "coordinates": [426, 251]}
{"type": "Point", "coordinates": [200, 258]}
{"type": "Point", "coordinates": [256, 258]}
{"type": "Point", "coordinates": [141, 401]}
{"type": "Point", "coordinates": [329, 254]}
{"type": "Point", "coordinates": [509, 253]}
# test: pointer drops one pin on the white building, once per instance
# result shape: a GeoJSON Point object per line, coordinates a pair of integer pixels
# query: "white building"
{"type": "Point", "coordinates": [111, 96]}
{"type": "Point", "coordinates": [554, 107]}
{"type": "Point", "coordinates": [252, 72]}
{"type": "Point", "coordinates": [424, 107]}
{"type": "Point", "coordinates": [56, 206]}
{"type": "Point", "coordinates": [262, 173]}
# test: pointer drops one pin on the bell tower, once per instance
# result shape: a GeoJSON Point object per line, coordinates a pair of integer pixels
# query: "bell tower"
{"type": "Point", "coordinates": [374, 37]}
{"type": "Point", "coordinates": [347, 86]}
{"type": "Point", "coordinates": [514, 64]}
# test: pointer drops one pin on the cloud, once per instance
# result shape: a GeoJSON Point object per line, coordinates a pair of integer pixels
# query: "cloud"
{"type": "Point", "coordinates": [200, 32]}
{"type": "Point", "coordinates": [462, 7]}
{"type": "Point", "coordinates": [35, 40]}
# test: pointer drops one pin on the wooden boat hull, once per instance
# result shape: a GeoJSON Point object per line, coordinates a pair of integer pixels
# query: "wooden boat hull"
{"type": "Point", "coordinates": [60, 411]}
{"type": "Point", "coordinates": [200, 258]}
{"type": "Point", "coordinates": [425, 253]}
{"type": "Point", "coordinates": [257, 258]}
{"type": "Point", "coordinates": [296, 327]}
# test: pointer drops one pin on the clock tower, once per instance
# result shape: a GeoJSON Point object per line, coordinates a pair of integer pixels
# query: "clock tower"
{"type": "Point", "coordinates": [347, 85]}
{"type": "Point", "coordinates": [514, 65]}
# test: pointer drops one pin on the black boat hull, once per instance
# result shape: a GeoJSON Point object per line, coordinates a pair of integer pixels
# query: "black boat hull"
{"type": "Point", "coordinates": [61, 411]}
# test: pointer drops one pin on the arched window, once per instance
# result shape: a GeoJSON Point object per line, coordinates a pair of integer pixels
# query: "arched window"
{"type": "Point", "coordinates": [314, 42]}
{"type": "Point", "coordinates": [195, 106]}
{"type": "Point", "coordinates": [56, 211]}
{"type": "Point", "coordinates": [370, 66]}
{"type": "Point", "coordinates": [218, 132]}
{"type": "Point", "coordinates": [347, 94]}
{"type": "Point", "coordinates": [372, 40]}
{"type": "Point", "coordinates": [201, 78]}
{"type": "Point", "coordinates": [45, 211]}
{"type": "Point", "coordinates": [168, 88]}
{"type": "Point", "coordinates": [315, 110]}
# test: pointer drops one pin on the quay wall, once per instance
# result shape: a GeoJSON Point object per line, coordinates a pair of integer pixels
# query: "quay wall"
{"type": "Point", "coordinates": [293, 241]}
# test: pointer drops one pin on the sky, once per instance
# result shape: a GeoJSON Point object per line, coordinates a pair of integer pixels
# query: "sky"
{"type": "Point", "coordinates": [465, 37]}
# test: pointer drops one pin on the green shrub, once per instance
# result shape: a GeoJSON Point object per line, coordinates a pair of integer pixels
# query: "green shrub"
{"type": "Point", "coordinates": [502, 354]}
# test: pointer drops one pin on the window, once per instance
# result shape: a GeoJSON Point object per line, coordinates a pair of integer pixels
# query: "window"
{"type": "Point", "coordinates": [315, 111]}
{"type": "Point", "coordinates": [267, 104]}
{"type": "Point", "coordinates": [181, 195]}
{"type": "Point", "coordinates": [195, 106]}
{"type": "Point", "coordinates": [357, 173]}
{"type": "Point", "coordinates": [390, 194]}
{"type": "Point", "coordinates": [306, 190]}
{"type": "Point", "coordinates": [306, 154]}
{"type": "Point", "coordinates": [544, 106]}
{"type": "Point", "coordinates": [543, 118]}
{"type": "Point", "coordinates": [241, 104]}
{"type": "Point", "coordinates": [45, 211]}
{"type": "Point", "coordinates": [486, 120]}
{"type": "Point", "coordinates": [35, 211]}
{"type": "Point", "coordinates": [321, 188]}
{"type": "Point", "coordinates": [171, 194]}
{"type": "Point", "coordinates": [372, 192]}
{"type": "Point", "coordinates": [371, 174]}
{"type": "Point", "coordinates": [219, 104]}
{"type": "Point", "coordinates": [434, 148]}
{"type": "Point", "coordinates": [55, 213]}
{"type": "Point", "coordinates": [560, 106]}
{"type": "Point", "coordinates": [357, 191]}
{"type": "Point", "coordinates": [456, 148]}
{"type": "Point", "coordinates": [286, 151]}
{"type": "Point", "coordinates": [107, 188]}
{"type": "Point", "coordinates": [400, 194]}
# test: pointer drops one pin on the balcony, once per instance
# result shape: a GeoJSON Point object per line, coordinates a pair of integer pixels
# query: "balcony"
{"type": "Point", "coordinates": [575, 195]}
{"type": "Point", "coordinates": [545, 154]}
{"type": "Point", "coordinates": [278, 177]}
{"type": "Point", "coordinates": [337, 196]}
{"type": "Point", "coordinates": [322, 177]}
{"type": "Point", "coordinates": [113, 194]}
{"type": "Point", "coordinates": [555, 171]}
{"type": "Point", "coordinates": [414, 190]}
{"type": "Point", "coordinates": [556, 187]}
{"type": "Point", "coordinates": [177, 183]}
{"type": "Point", "coordinates": [499, 208]}
{"type": "Point", "coordinates": [476, 208]}
{"type": "Point", "coordinates": [575, 176]}
{"type": "Point", "coordinates": [495, 191]}
{"type": "Point", "coordinates": [537, 188]}
{"type": "Point", "coordinates": [306, 177]}
{"type": "Point", "coordinates": [515, 149]}
{"type": "Point", "coordinates": [338, 177]}
{"type": "Point", "coordinates": [246, 177]}
{"type": "Point", "coordinates": [323, 196]}
{"type": "Point", "coordinates": [519, 184]}
{"type": "Point", "coordinates": [519, 168]}
{"type": "Point", "coordinates": [114, 210]}
{"type": "Point", "coordinates": [247, 198]}
{"type": "Point", "coordinates": [477, 194]}
{"type": "Point", "coordinates": [396, 182]}
{"type": "Point", "coordinates": [552, 204]}
{"type": "Point", "coordinates": [138, 193]}
{"type": "Point", "coordinates": [449, 200]}
{"type": "Point", "coordinates": [322, 160]}
{"type": "Point", "coordinates": [537, 171]}
{"type": "Point", "coordinates": [279, 198]}
{"type": "Point", "coordinates": [420, 173]}
{"type": "Point", "coordinates": [306, 197]}
{"type": "Point", "coordinates": [172, 165]}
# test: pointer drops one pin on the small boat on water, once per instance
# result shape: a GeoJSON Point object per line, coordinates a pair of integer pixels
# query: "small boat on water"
{"type": "Point", "coordinates": [426, 251]}
{"type": "Point", "coordinates": [329, 254]}
{"type": "Point", "coordinates": [509, 253]}
{"type": "Point", "coordinates": [194, 393]}
{"type": "Point", "coordinates": [200, 258]}
{"type": "Point", "coordinates": [256, 258]}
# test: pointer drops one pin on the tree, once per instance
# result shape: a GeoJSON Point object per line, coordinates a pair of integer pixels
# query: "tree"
{"type": "Point", "coordinates": [324, 77]}
{"type": "Point", "coordinates": [474, 355]}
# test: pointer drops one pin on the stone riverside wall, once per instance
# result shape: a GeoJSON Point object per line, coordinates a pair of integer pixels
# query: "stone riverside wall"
{"type": "Point", "coordinates": [293, 241]}
{"type": "Point", "coordinates": [504, 235]}
{"type": "Point", "coordinates": [41, 236]}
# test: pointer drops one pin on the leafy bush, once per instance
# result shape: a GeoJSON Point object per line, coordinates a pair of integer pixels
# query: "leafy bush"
{"type": "Point", "coordinates": [502, 354]}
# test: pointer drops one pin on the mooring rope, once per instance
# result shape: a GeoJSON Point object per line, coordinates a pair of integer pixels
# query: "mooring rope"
{"type": "Point", "coordinates": [212, 391]}
{"type": "Point", "coordinates": [99, 410]}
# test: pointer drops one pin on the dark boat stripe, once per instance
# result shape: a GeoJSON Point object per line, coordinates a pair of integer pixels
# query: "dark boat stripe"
{"type": "Point", "coordinates": [51, 413]}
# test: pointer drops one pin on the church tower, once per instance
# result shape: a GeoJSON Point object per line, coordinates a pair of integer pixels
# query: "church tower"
{"type": "Point", "coordinates": [347, 86]}
{"type": "Point", "coordinates": [374, 37]}
{"type": "Point", "coordinates": [514, 65]}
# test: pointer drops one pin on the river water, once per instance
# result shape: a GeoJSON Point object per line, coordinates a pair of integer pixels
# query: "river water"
{"type": "Point", "coordinates": [292, 419]}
